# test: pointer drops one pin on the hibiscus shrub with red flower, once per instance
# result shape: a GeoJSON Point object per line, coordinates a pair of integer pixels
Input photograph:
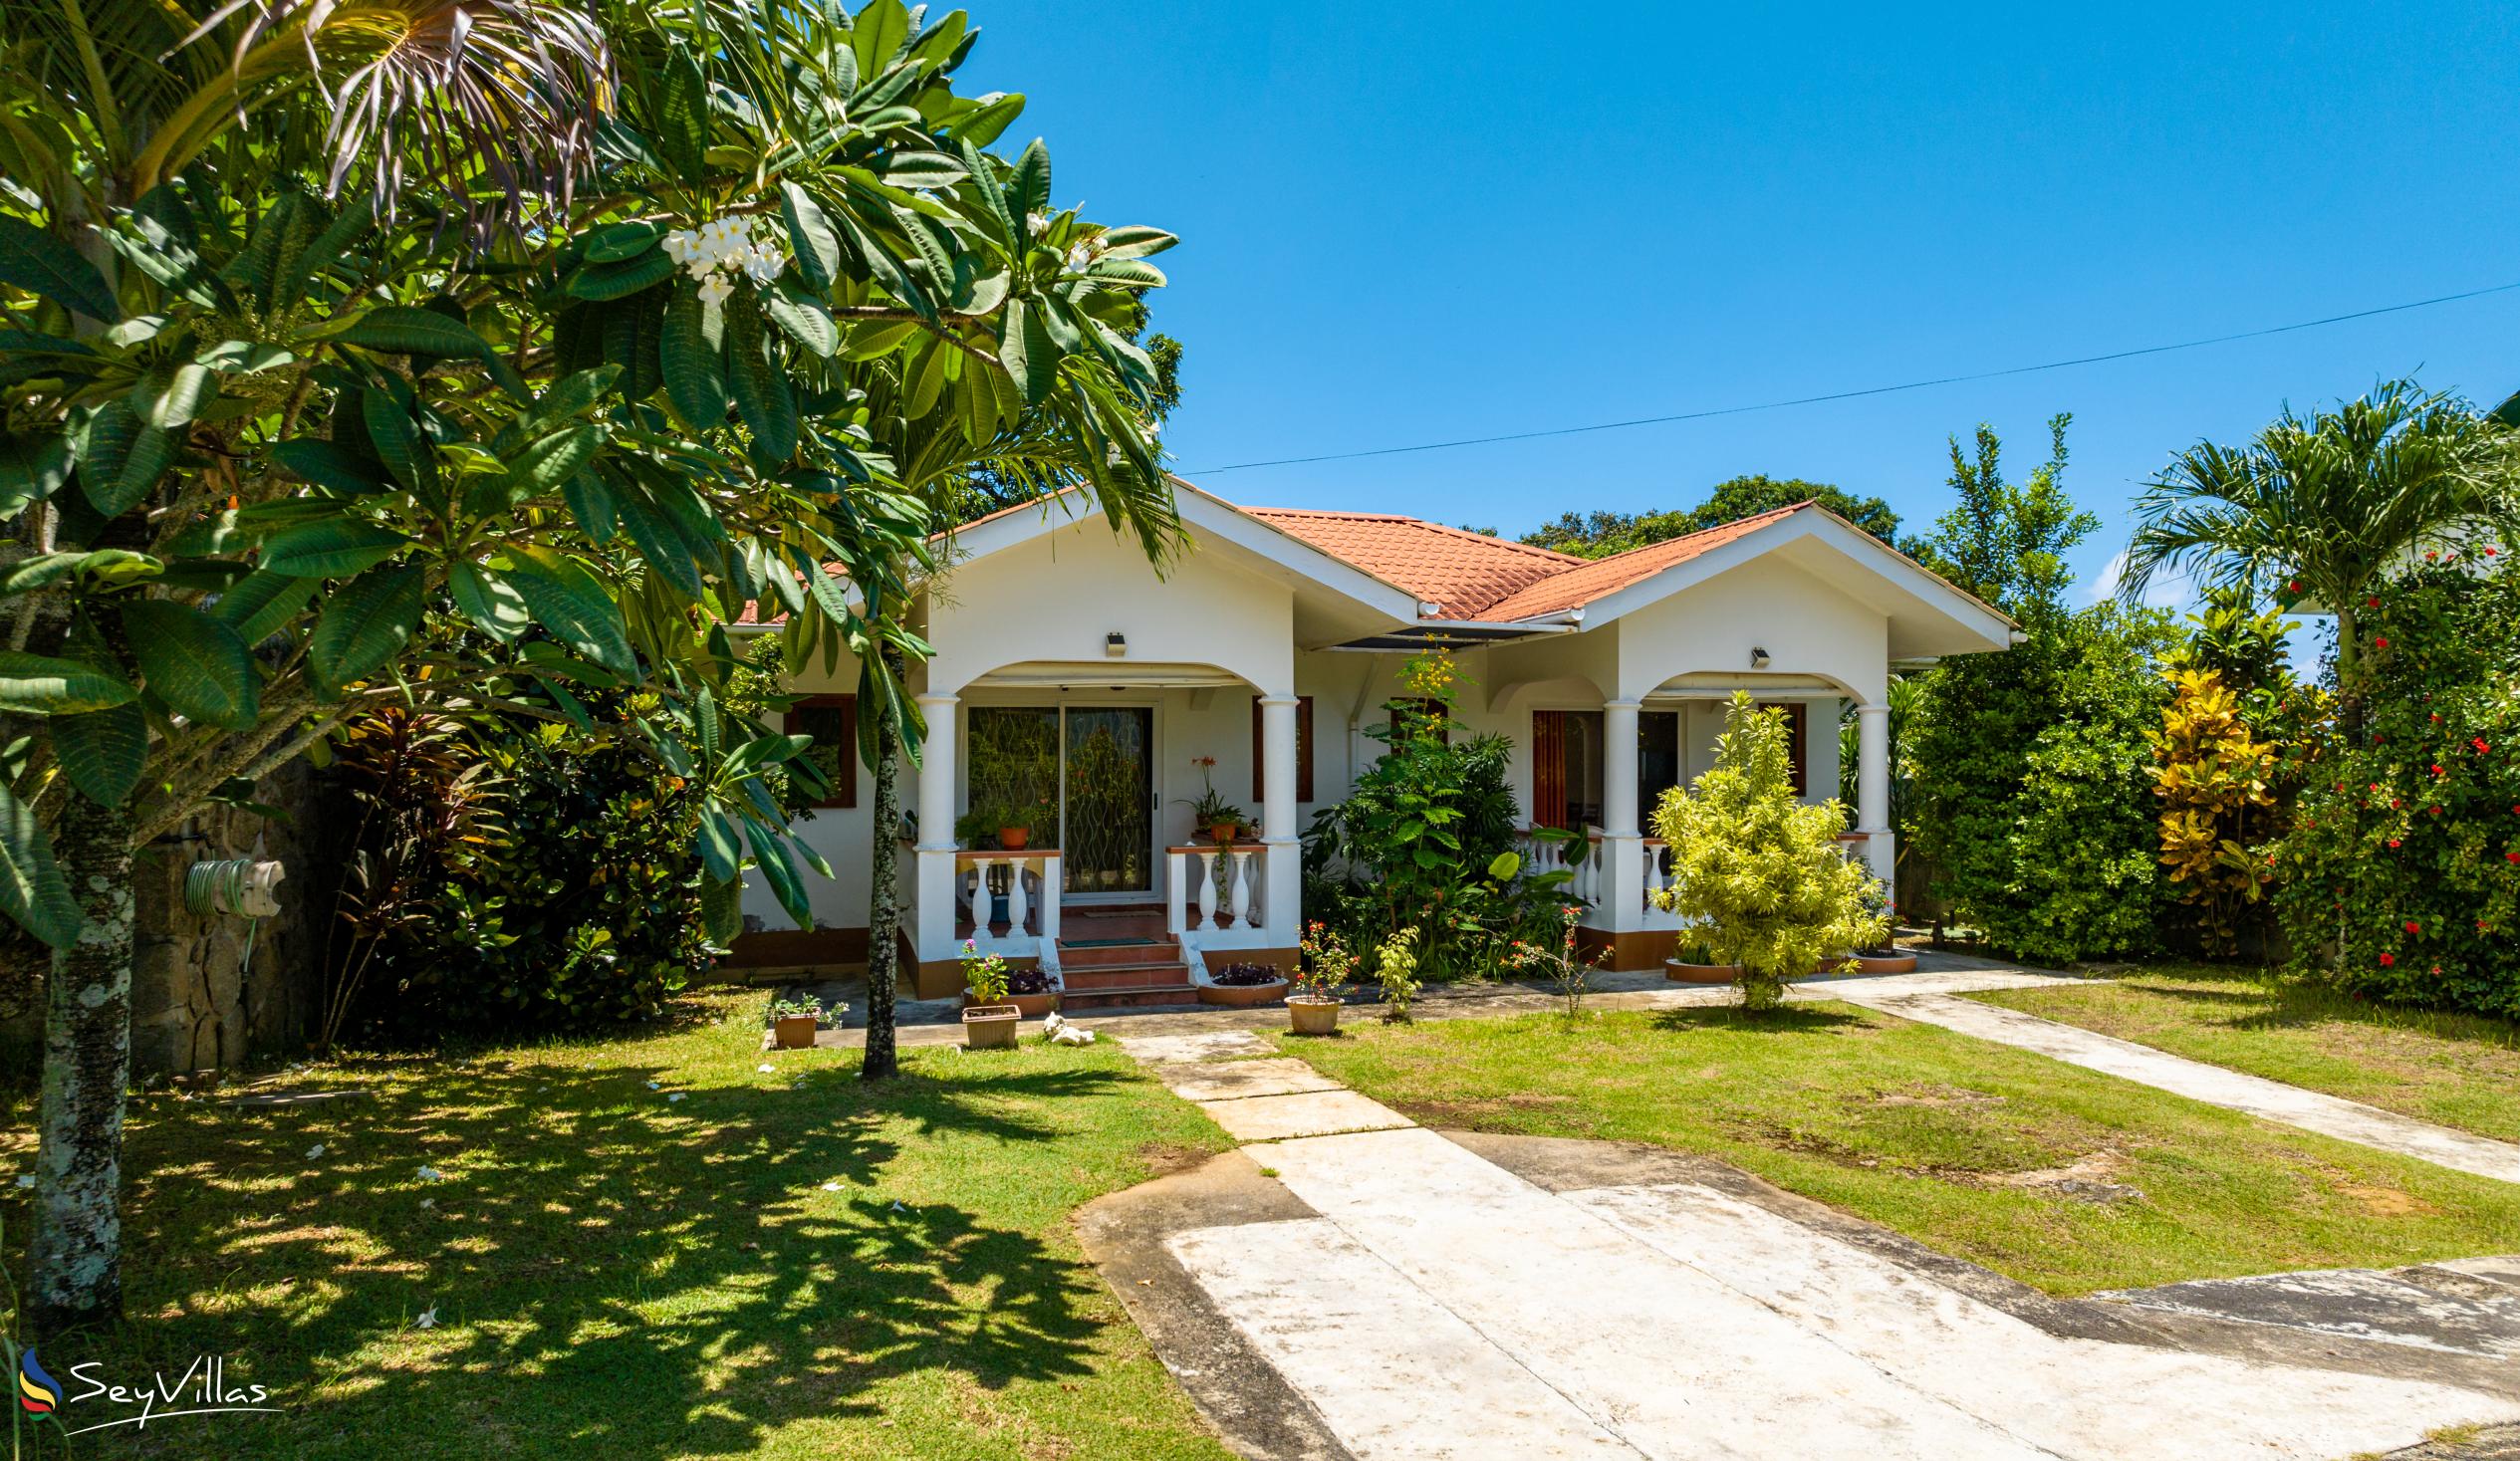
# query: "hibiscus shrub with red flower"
{"type": "Point", "coordinates": [2399, 875]}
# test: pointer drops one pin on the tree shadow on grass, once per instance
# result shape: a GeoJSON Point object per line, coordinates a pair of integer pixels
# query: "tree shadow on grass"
{"type": "Point", "coordinates": [2246, 999]}
{"type": "Point", "coordinates": [617, 1275]}
{"type": "Point", "coordinates": [1794, 1019]}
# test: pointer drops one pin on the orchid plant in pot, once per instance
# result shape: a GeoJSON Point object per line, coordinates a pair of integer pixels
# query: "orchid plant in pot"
{"type": "Point", "coordinates": [988, 1020]}
{"type": "Point", "coordinates": [1221, 819]}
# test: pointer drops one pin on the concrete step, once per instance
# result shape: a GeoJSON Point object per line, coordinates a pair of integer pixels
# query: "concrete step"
{"type": "Point", "coordinates": [1133, 996]}
{"type": "Point", "coordinates": [1126, 976]}
{"type": "Point", "coordinates": [1098, 954]}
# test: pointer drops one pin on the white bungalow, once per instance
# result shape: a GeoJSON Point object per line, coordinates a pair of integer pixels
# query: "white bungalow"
{"type": "Point", "coordinates": [1075, 685]}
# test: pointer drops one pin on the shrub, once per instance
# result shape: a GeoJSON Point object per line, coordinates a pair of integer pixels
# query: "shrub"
{"type": "Point", "coordinates": [579, 907]}
{"type": "Point", "coordinates": [2401, 869]}
{"type": "Point", "coordinates": [1396, 969]}
{"type": "Point", "coordinates": [2032, 781]}
{"type": "Point", "coordinates": [1758, 872]}
{"type": "Point", "coordinates": [1426, 838]}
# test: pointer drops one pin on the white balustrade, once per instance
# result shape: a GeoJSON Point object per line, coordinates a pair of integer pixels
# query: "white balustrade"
{"type": "Point", "coordinates": [1213, 894]}
{"type": "Point", "coordinates": [1032, 880]}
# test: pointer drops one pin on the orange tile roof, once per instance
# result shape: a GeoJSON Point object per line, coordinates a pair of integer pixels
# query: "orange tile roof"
{"type": "Point", "coordinates": [1477, 577]}
{"type": "Point", "coordinates": [1462, 571]}
{"type": "Point", "coordinates": [1599, 578]}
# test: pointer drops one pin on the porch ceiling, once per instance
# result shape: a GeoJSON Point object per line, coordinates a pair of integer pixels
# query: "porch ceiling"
{"type": "Point", "coordinates": [1105, 674]}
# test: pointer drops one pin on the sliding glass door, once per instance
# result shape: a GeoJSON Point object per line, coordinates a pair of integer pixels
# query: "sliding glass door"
{"type": "Point", "coordinates": [1083, 778]}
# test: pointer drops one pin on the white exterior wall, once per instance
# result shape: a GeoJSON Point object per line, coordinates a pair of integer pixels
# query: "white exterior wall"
{"type": "Point", "coordinates": [838, 832]}
{"type": "Point", "coordinates": [1057, 596]}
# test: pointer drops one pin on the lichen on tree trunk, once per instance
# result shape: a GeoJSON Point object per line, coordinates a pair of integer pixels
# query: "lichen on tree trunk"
{"type": "Point", "coordinates": [75, 1262]}
{"type": "Point", "coordinates": [884, 903]}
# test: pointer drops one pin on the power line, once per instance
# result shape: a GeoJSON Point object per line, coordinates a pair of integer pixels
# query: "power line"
{"type": "Point", "coordinates": [1801, 400]}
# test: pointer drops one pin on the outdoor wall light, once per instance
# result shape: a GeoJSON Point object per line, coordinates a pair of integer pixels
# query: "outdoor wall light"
{"type": "Point", "coordinates": [1115, 646]}
{"type": "Point", "coordinates": [1758, 658]}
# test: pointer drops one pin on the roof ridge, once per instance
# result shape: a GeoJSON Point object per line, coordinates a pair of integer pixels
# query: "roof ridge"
{"type": "Point", "coordinates": [1732, 525]}
{"type": "Point", "coordinates": [1530, 550]}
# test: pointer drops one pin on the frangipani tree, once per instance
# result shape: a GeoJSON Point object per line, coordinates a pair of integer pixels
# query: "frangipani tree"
{"type": "Point", "coordinates": [273, 456]}
{"type": "Point", "coordinates": [1757, 873]}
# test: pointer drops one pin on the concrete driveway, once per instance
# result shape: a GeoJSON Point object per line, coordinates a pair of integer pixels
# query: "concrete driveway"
{"type": "Point", "coordinates": [1351, 1285]}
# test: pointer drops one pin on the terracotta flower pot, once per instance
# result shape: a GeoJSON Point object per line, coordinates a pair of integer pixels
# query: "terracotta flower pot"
{"type": "Point", "coordinates": [990, 1027]}
{"type": "Point", "coordinates": [1240, 996]}
{"type": "Point", "coordinates": [1687, 973]}
{"type": "Point", "coordinates": [1013, 839]}
{"type": "Point", "coordinates": [793, 1032]}
{"type": "Point", "coordinates": [1313, 1014]}
{"type": "Point", "coordinates": [1220, 832]}
{"type": "Point", "coordinates": [1887, 962]}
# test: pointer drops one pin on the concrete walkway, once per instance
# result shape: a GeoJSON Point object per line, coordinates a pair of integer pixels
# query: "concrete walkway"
{"type": "Point", "coordinates": [2273, 1100]}
{"type": "Point", "coordinates": [1416, 1299]}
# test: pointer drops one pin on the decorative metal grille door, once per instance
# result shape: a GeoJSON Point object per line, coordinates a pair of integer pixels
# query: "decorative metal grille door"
{"type": "Point", "coordinates": [1107, 846]}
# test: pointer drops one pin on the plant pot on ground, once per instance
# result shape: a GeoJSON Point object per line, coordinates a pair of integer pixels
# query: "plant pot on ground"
{"type": "Point", "coordinates": [990, 1027]}
{"type": "Point", "coordinates": [1031, 992]}
{"type": "Point", "coordinates": [1242, 985]}
{"type": "Point", "coordinates": [793, 1022]}
{"type": "Point", "coordinates": [1323, 965]}
{"type": "Point", "coordinates": [988, 1020]}
{"type": "Point", "coordinates": [1695, 964]}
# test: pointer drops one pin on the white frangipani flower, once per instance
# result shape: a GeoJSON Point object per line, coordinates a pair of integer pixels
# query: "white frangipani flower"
{"type": "Point", "coordinates": [315, 1151]}
{"type": "Point", "coordinates": [428, 1318]}
{"type": "Point", "coordinates": [431, 1174]}
{"type": "Point", "coordinates": [714, 290]}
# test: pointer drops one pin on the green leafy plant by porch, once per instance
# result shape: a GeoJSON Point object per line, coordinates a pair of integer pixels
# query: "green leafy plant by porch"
{"type": "Point", "coordinates": [1757, 873]}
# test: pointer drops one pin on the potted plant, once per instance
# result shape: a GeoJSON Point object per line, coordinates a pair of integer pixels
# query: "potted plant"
{"type": "Point", "coordinates": [988, 1020]}
{"type": "Point", "coordinates": [1694, 962]}
{"type": "Point", "coordinates": [794, 1021]}
{"type": "Point", "coordinates": [1220, 819]}
{"type": "Point", "coordinates": [1031, 992]}
{"type": "Point", "coordinates": [1243, 985]}
{"type": "Point", "coordinates": [1325, 966]}
{"type": "Point", "coordinates": [994, 824]}
{"type": "Point", "coordinates": [1884, 956]}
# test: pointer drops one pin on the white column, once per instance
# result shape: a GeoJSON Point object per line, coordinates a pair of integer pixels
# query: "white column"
{"type": "Point", "coordinates": [934, 935]}
{"type": "Point", "coordinates": [1872, 782]}
{"type": "Point", "coordinates": [1282, 860]}
{"type": "Point", "coordinates": [1618, 884]}
{"type": "Point", "coordinates": [1619, 768]}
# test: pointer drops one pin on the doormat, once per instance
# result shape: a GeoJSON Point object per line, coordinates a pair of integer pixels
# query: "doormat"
{"type": "Point", "coordinates": [1106, 943]}
{"type": "Point", "coordinates": [1114, 913]}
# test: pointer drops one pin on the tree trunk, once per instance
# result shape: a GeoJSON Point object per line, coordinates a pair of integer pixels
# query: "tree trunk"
{"type": "Point", "coordinates": [75, 1263]}
{"type": "Point", "coordinates": [883, 898]}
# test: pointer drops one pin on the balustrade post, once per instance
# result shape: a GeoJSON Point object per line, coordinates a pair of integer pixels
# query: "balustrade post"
{"type": "Point", "coordinates": [1176, 891]}
{"type": "Point", "coordinates": [1019, 903]}
{"type": "Point", "coordinates": [1240, 905]}
{"type": "Point", "coordinates": [1207, 890]}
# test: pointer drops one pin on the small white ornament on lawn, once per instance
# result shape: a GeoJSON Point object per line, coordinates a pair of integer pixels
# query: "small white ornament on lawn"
{"type": "Point", "coordinates": [1059, 1030]}
{"type": "Point", "coordinates": [428, 1318]}
{"type": "Point", "coordinates": [315, 1151]}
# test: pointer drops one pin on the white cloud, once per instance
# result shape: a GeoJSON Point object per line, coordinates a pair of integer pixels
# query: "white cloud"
{"type": "Point", "coordinates": [2168, 589]}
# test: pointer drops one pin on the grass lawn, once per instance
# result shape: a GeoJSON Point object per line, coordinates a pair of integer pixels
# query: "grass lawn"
{"type": "Point", "coordinates": [2061, 1178]}
{"type": "Point", "coordinates": [2457, 1070]}
{"type": "Point", "coordinates": [756, 1269]}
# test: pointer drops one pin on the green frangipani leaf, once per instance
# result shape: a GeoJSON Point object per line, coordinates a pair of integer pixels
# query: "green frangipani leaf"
{"type": "Point", "coordinates": [489, 600]}
{"type": "Point", "coordinates": [333, 548]}
{"type": "Point", "coordinates": [411, 330]}
{"type": "Point", "coordinates": [365, 624]}
{"type": "Point", "coordinates": [31, 888]}
{"type": "Point", "coordinates": [44, 266]}
{"type": "Point", "coordinates": [39, 685]}
{"type": "Point", "coordinates": [103, 752]}
{"type": "Point", "coordinates": [573, 604]}
{"type": "Point", "coordinates": [195, 666]}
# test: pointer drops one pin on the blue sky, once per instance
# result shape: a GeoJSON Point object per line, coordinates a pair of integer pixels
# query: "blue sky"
{"type": "Point", "coordinates": [1410, 223]}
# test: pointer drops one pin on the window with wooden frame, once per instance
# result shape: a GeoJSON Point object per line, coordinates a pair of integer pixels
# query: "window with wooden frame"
{"type": "Point", "coordinates": [1303, 753]}
{"type": "Point", "coordinates": [832, 720]}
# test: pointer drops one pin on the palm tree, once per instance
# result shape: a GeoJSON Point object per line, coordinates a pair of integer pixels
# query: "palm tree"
{"type": "Point", "coordinates": [2328, 504]}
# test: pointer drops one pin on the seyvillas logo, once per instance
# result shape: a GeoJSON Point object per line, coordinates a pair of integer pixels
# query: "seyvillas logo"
{"type": "Point", "coordinates": [37, 1393]}
{"type": "Point", "coordinates": [202, 1389]}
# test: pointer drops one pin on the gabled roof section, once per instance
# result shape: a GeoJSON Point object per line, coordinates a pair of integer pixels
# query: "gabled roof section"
{"type": "Point", "coordinates": [1466, 573]}
{"type": "Point", "coordinates": [1598, 578]}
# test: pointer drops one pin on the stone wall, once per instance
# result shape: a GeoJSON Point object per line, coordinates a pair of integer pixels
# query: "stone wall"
{"type": "Point", "coordinates": [194, 1004]}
